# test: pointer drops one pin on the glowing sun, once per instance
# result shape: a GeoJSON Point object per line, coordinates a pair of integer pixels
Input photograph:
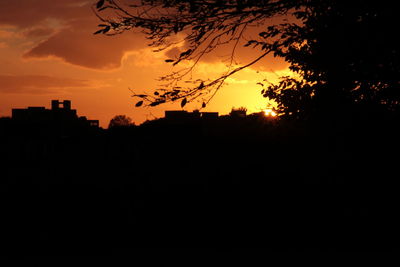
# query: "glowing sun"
{"type": "Point", "coordinates": [270, 112]}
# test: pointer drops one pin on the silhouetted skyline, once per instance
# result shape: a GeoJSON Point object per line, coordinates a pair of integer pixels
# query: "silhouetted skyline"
{"type": "Point", "coordinates": [316, 172]}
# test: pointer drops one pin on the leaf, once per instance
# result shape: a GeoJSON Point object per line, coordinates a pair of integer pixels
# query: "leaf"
{"type": "Point", "coordinates": [156, 103]}
{"type": "Point", "coordinates": [175, 92]}
{"type": "Point", "coordinates": [197, 27]}
{"type": "Point", "coordinates": [99, 31]}
{"type": "Point", "coordinates": [138, 104]}
{"type": "Point", "coordinates": [201, 34]}
{"type": "Point", "coordinates": [187, 52]}
{"type": "Point", "coordinates": [100, 4]}
{"type": "Point", "coordinates": [183, 103]}
{"type": "Point", "coordinates": [176, 62]}
{"type": "Point", "coordinates": [106, 29]}
{"type": "Point", "coordinates": [201, 86]}
{"type": "Point", "coordinates": [250, 43]}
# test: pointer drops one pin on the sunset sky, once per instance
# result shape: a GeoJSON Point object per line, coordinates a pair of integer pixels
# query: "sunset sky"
{"type": "Point", "coordinates": [48, 51]}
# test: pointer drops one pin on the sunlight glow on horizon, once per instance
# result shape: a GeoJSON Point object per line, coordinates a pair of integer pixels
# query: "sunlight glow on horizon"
{"type": "Point", "coordinates": [270, 112]}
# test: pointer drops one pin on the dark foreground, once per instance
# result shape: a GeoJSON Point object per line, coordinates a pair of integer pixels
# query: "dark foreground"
{"type": "Point", "coordinates": [285, 187]}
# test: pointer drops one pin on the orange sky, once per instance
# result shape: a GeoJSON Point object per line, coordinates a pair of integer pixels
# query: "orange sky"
{"type": "Point", "coordinates": [48, 51]}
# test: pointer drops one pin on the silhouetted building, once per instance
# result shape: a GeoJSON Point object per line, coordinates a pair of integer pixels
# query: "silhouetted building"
{"type": "Point", "coordinates": [209, 115]}
{"type": "Point", "coordinates": [60, 113]}
{"type": "Point", "coordinates": [92, 123]}
{"type": "Point", "coordinates": [55, 104]}
{"type": "Point", "coordinates": [182, 115]}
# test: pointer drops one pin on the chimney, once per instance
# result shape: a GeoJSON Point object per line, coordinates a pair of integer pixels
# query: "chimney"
{"type": "Point", "coordinates": [55, 104]}
{"type": "Point", "coordinates": [67, 104]}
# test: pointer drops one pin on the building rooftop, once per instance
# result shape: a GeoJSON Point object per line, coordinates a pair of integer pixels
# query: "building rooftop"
{"type": "Point", "coordinates": [60, 113]}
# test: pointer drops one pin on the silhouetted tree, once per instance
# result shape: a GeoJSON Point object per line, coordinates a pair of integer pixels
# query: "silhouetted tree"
{"type": "Point", "coordinates": [347, 56]}
{"type": "Point", "coordinates": [344, 52]}
{"type": "Point", "coordinates": [120, 121]}
{"type": "Point", "coordinates": [238, 112]}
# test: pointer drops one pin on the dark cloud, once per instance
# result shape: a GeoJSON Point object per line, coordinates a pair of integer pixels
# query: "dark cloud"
{"type": "Point", "coordinates": [64, 29]}
{"type": "Point", "coordinates": [173, 53]}
{"type": "Point", "coordinates": [25, 13]}
{"type": "Point", "coordinates": [37, 84]}
{"type": "Point", "coordinates": [78, 46]}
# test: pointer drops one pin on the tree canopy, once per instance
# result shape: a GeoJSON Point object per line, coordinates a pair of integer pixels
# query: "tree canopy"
{"type": "Point", "coordinates": [345, 52]}
{"type": "Point", "coordinates": [120, 121]}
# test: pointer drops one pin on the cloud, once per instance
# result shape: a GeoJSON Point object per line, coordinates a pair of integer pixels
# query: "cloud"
{"type": "Point", "coordinates": [5, 34]}
{"type": "Point", "coordinates": [38, 84]}
{"type": "Point", "coordinates": [78, 46]}
{"type": "Point", "coordinates": [25, 13]}
{"type": "Point", "coordinates": [173, 53]}
{"type": "Point", "coordinates": [38, 32]}
{"type": "Point", "coordinates": [64, 29]}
